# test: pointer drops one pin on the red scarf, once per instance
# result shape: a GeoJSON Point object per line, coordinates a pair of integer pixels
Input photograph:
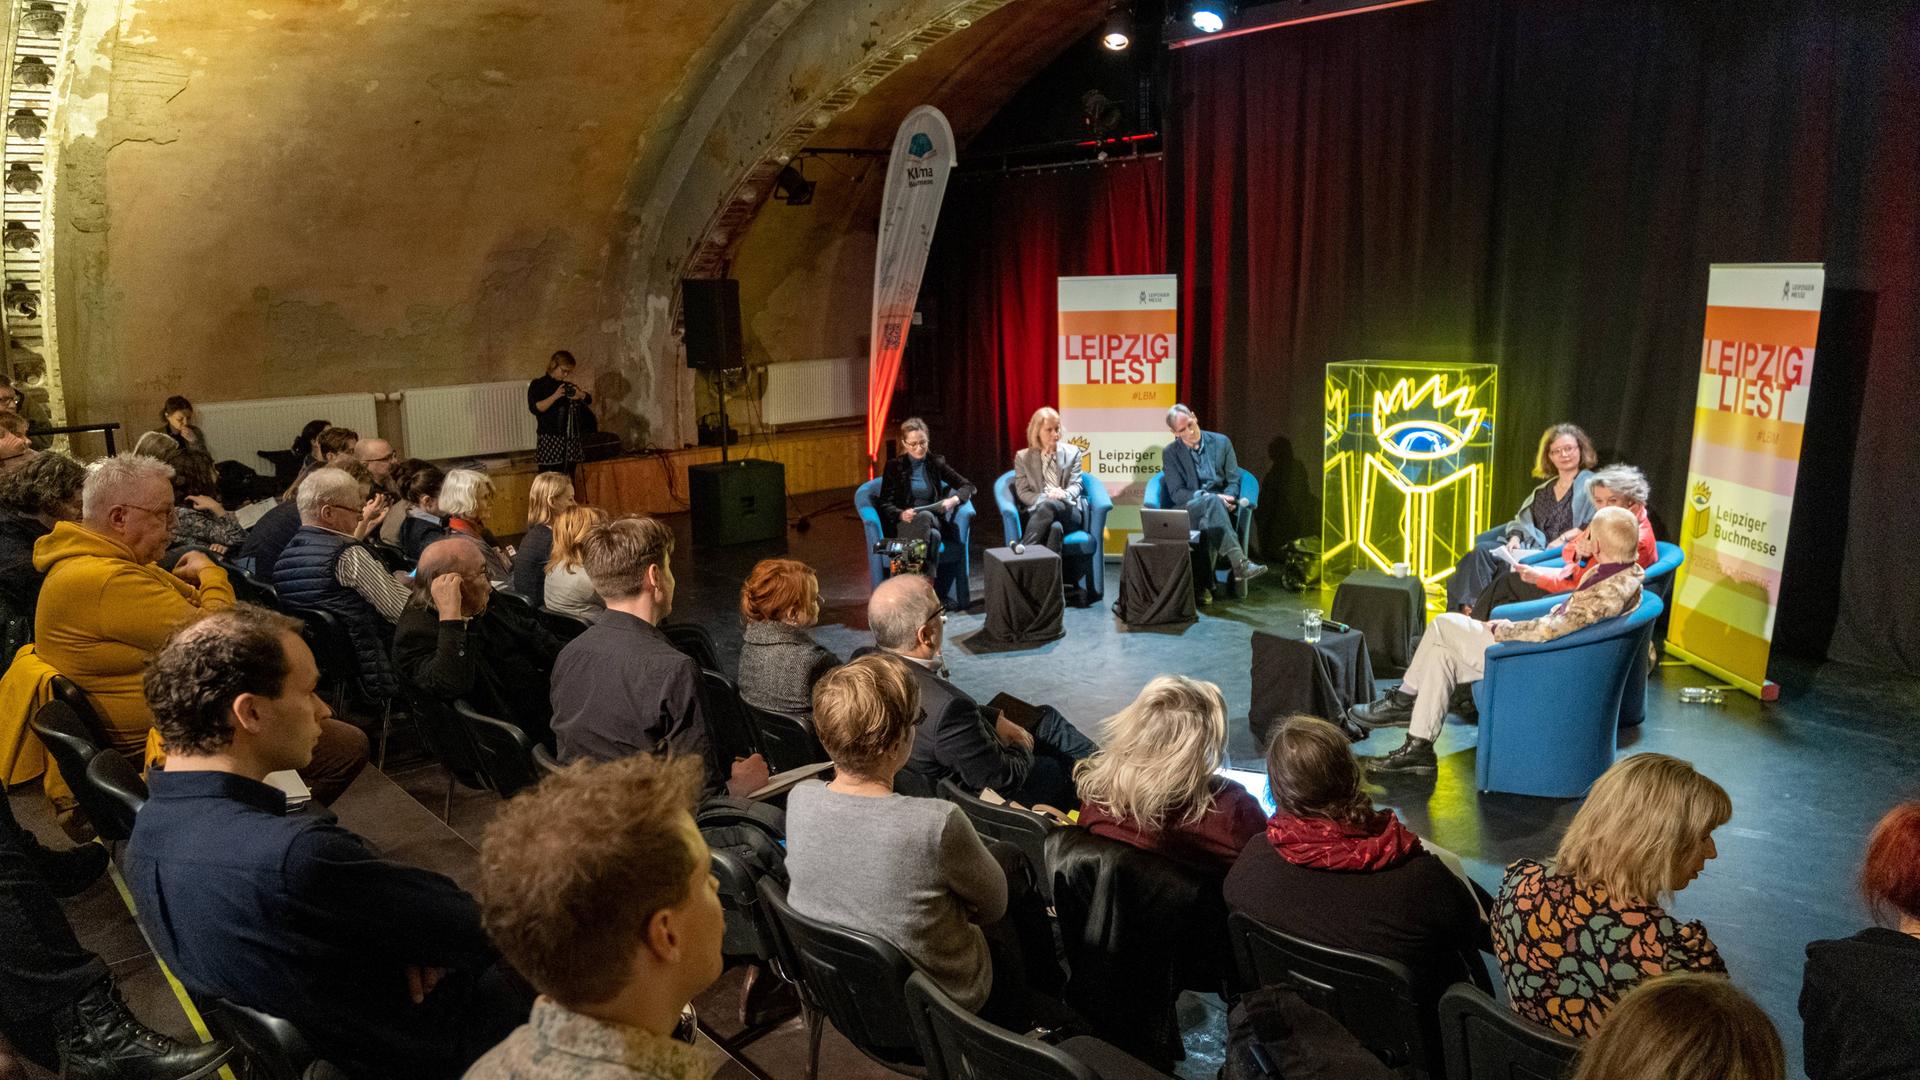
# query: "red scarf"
{"type": "Point", "coordinates": [1324, 844]}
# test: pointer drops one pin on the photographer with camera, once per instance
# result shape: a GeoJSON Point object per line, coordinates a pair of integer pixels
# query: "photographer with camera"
{"type": "Point", "coordinates": [559, 406]}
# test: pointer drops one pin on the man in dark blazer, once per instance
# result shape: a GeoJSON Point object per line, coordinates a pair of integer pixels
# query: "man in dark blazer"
{"type": "Point", "coordinates": [978, 747]}
{"type": "Point", "coordinates": [1203, 475]}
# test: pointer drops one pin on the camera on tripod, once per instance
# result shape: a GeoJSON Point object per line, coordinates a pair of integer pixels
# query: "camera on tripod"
{"type": "Point", "coordinates": [903, 556]}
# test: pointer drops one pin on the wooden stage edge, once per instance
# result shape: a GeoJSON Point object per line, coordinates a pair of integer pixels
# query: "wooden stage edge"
{"type": "Point", "coordinates": [817, 459]}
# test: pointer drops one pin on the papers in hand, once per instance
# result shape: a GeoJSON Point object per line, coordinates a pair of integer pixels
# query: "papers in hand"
{"type": "Point", "coordinates": [296, 790]}
{"type": "Point", "coordinates": [1510, 555]}
{"type": "Point", "coordinates": [778, 783]}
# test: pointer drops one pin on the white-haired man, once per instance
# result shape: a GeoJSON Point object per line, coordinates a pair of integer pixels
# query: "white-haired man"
{"type": "Point", "coordinates": [1201, 474]}
{"type": "Point", "coordinates": [326, 568]}
{"type": "Point", "coordinates": [1453, 650]}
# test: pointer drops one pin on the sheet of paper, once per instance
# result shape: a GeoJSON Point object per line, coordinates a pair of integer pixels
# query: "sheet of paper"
{"type": "Point", "coordinates": [778, 783]}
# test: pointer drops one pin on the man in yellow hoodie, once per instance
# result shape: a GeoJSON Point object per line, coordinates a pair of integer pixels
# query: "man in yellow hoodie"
{"type": "Point", "coordinates": [106, 607]}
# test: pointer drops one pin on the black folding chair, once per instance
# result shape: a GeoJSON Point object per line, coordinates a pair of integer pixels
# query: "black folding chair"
{"type": "Point", "coordinates": [856, 980]}
{"type": "Point", "coordinates": [73, 747]}
{"type": "Point", "coordinates": [732, 734]}
{"type": "Point", "coordinates": [273, 1048]}
{"type": "Point", "coordinates": [1485, 1040]}
{"type": "Point", "coordinates": [116, 795]}
{"type": "Point", "coordinates": [1024, 829]}
{"type": "Point", "coordinates": [562, 625]}
{"type": "Point", "coordinates": [787, 743]}
{"type": "Point", "coordinates": [339, 663]}
{"type": "Point", "coordinates": [544, 762]}
{"type": "Point", "coordinates": [694, 640]}
{"type": "Point", "coordinates": [1371, 996]}
{"type": "Point", "coordinates": [958, 1045]}
{"type": "Point", "coordinates": [504, 751]}
{"type": "Point", "coordinates": [449, 740]}
{"type": "Point", "coordinates": [249, 588]}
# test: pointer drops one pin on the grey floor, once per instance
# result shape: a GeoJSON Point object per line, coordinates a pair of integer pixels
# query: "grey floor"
{"type": "Point", "coordinates": [1809, 775]}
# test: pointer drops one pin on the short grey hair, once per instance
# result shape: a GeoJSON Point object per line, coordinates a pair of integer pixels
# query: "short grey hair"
{"type": "Point", "coordinates": [899, 607]}
{"type": "Point", "coordinates": [324, 487]}
{"type": "Point", "coordinates": [461, 491]}
{"type": "Point", "coordinates": [1625, 481]}
{"type": "Point", "coordinates": [111, 482]}
{"type": "Point", "coordinates": [1179, 411]}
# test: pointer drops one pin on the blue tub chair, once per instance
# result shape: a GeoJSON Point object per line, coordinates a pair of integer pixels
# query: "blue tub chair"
{"type": "Point", "coordinates": [1550, 710]}
{"type": "Point", "coordinates": [1153, 499]}
{"type": "Point", "coordinates": [954, 570]}
{"type": "Point", "coordinates": [1083, 550]}
{"type": "Point", "coordinates": [1659, 582]}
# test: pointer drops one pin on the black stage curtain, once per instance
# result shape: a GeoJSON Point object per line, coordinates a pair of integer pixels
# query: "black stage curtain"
{"type": "Point", "coordinates": [1543, 183]}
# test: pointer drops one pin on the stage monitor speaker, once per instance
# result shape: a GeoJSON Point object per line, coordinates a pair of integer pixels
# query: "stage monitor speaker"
{"type": "Point", "coordinates": [710, 311]}
{"type": "Point", "coordinates": [736, 502]}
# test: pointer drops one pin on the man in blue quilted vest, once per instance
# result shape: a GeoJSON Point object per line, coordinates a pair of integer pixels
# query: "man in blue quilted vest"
{"type": "Point", "coordinates": [325, 568]}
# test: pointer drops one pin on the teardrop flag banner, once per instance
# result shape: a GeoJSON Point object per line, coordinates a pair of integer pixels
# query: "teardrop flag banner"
{"type": "Point", "coordinates": [923, 158]}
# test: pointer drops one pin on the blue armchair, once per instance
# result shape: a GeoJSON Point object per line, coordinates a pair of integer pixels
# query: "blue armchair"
{"type": "Point", "coordinates": [1550, 710]}
{"type": "Point", "coordinates": [1083, 549]}
{"type": "Point", "coordinates": [1154, 499]}
{"type": "Point", "coordinates": [953, 574]}
{"type": "Point", "coordinates": [1659, 582]}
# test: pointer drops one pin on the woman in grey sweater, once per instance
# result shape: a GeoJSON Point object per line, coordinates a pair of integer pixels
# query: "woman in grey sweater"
{"type": "Point", "coordinates": [779, 660]}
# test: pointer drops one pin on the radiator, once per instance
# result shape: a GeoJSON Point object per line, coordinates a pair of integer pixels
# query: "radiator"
{"type": "Point", "coordinates": [803, 390]}
{"type": "Point", "coordinates": [441, 422]}
{"type": "Point", "coordinates": [237, 430]}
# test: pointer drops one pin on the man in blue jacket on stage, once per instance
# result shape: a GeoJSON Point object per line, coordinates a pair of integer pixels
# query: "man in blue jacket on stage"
{"type": "Point", "coordinates": [1203, 475]}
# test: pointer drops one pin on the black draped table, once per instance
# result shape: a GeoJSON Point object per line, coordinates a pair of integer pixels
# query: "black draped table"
{"type": "Point", "coordinates": [1023, 595]}
{"type": "Point", "coordinates": [1290, 675]}
{"type": "Point", "coordinates": [1156, 584]}
{"type": "Point", "coordinates": [1391, 611]}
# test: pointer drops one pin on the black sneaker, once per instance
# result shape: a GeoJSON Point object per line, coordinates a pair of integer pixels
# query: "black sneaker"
{"type": "Point", "coordinates": [1249, 570]}
{"type": "Point", "coordinates": [1414, 756]}
{"type": "Point", "coordinates": [1391, 709]}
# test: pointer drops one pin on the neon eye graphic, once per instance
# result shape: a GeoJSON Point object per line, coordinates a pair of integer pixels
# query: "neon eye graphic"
{"type": "Point", "coordinates": [1421, 440]}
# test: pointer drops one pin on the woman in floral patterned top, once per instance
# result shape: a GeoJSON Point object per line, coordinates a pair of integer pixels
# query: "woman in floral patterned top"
{"type": "Point", "coordinates": [1574, 936]}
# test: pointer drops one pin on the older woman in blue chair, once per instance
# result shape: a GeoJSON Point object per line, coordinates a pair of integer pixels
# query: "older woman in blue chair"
{"type": "Point", "coordinates": [1453, 650]}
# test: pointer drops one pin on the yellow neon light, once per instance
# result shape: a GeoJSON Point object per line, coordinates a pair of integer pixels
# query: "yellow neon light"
{"type": "Point", "coordinates": [1405, 398]}
{"type": "Point", "coordinates": [1415, 532]}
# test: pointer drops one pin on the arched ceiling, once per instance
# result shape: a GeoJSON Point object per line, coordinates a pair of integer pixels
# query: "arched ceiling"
{"type": "Point", "coordinates": [302, 196]}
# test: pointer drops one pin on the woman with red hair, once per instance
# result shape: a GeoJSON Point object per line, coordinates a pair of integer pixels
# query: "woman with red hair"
{"type": "Point", "coordinates": [1860, 1000]}
{"type": "Point", "coordinates": [779, 660]}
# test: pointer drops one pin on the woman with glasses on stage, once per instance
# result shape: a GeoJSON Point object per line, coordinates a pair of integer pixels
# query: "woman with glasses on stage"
{"type": "Point", "coordinates": [920, 494]}
{"type": "Point", "coordinates": [1047, 484]}
{"type": "Point", "coordinates": [1554, 513]}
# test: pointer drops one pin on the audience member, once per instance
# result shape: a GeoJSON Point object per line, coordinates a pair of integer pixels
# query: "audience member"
{"type": "Point", "coordinates": [465, 497]}
{"type": "Point", "coordinates": [200, 523]}
{"type": "Point", "coordinates": [271, 534]}
{"type": "Point", "coordinates": [596, 887]}
{"type": "Point", "coordinates": [1333, 870]}
{"type": "Point", "coordinates": [383, 967]}
{"type": "Point", "coordinates": [325, 568]}
{"type": "Point", "coordinates": [779, 660]}
{"type": "Point", "coordinates": [35, 410]}
{"type": "Point", "coordinates": [58, 1001]}
{"type": "Point", "coordinates": [333, 446]}
{"type": "Point", "coordinates": [978, 747]}
{"type": "Point", "coordinates": [1153, 783]}
{"type": "Point", "coordinates": [567, 588]}
{"type": "Point", "coordinates": [399, 478]}
{"type": "Point", "coordinates": [1616, 485]}
{"type": "Point", "coordinates": [1550, 515]}
{"type": "Point", "coordinates": [15, 448]}
{"type": "Point", "coordinates": [1453, 651]}
{"type": "Point", "coordinates": [1686, 1027]}
{"type": "Point", "coordinates": [306, 445]}
{"type": "Point", "coordinates": [377, 456]}
{"type": "Point", "coordinates": [551, 493]}
{"type": "Point", "coordinates": [425, 524]}
{"type": "Point", "coordinates": [33, 499]}
{"type": "Point", "coordinates": [1860, 1001]}
{"type": "Point", "coordinates": [453, 642]}
{"type": "Point", "coordinates": [621, 688]}
{"type": "Point", "coordinates": [176, 423]}
{"type": "Point", "coordinates": [910, 871]}
{"type": "Point", "coordinates": [1645, 831]}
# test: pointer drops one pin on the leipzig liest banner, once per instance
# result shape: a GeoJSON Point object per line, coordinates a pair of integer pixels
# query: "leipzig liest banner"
{"type": "Point", "coordinates": [1119, 372]}
{"type": "Point", "coordinates": [917, 174]}
{"type": "Point", "coordinates": [1755, 368]}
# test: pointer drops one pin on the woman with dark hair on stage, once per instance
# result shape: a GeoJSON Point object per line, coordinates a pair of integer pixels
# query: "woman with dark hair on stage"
{"type": "Point", "coordinates": [1047, 483]}
{"type": "Point", "coordinates": [1860, 1000]}
{"type": "Point", "coordinates": [1551, 515]}
{"type": "Point", "coordinates": [920, 492]}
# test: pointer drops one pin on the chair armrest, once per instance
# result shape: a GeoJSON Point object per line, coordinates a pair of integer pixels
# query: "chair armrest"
{"type": "Point", "coordinates": [1522, 610]}
{"type": "Point", "coordinates": [870, 520]}
{"type": "Point", "coordinates": [1539, 557]}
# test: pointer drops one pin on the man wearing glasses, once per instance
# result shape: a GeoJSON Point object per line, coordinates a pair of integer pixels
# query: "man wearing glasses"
{"type": "Point", "coordinates": [106, 607]}
{"type": "Point", "coordinates": [15, 400]}
{"type": "Point", "coordinates": [325, 567]}
{"type": "Point", "coordinates": [377, 456]}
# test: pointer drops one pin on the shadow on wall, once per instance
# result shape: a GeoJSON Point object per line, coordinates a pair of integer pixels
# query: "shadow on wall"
{"type": "Point", "coordinates": [1288, 507]}
{"type": "Point", "coordinates": [610, 391]}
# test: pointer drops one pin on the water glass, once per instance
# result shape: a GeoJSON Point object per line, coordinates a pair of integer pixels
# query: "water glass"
{"type": "Point", "coordinates": [1310, 625]}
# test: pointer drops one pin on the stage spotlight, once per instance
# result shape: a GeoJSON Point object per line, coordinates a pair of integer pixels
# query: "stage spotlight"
{"type": "Point", "coordinates": [1119, 32]}
{"type": "Point", "coordinates": [792, 188]}
{"type": "Point", "coordinates": [1208, 16]}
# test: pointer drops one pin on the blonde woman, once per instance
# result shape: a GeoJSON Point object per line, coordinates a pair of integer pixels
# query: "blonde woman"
{"type": "Point", "coordinates": [1678, 1027]}
{"type": "Point", "coordinates": [1047, 483]}
{"type": "Point", "coordinates": [551, 493]}
{"type": "Point", "coordinates": [566, 588]}
{"type": "Point", "coordinates": [1574, 936]}
{"type": "Point", "coordinates": [1152, 783]}
{"type": "Point", "coordinates": [465, 498]}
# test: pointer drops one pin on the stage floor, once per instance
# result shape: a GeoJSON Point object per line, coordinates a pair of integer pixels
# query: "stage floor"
{"type": "Point", "coordinates": [1809, 775]}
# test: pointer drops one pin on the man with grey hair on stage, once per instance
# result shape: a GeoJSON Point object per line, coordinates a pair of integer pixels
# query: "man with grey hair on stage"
{"type": "Point", "coordinates": [1201, 474]}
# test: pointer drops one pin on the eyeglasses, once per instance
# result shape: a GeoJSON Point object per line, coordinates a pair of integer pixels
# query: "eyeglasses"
{"type": "Point", "coordinates": [354, 510]}
{"type": "Point", "coordinates": [167, 514]}
{"type": "Point", "coordinates": [388, 456]}
{"type": "Point", "coordinates": [10, 401]}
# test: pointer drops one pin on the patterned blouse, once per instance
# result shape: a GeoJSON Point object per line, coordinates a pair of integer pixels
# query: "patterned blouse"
{"type": "Point", "coordinates": [1567, 952]}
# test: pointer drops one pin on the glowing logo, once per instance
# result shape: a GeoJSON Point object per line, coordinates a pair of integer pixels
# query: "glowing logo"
{"type": "Point", "coordinates": [1425, 438]}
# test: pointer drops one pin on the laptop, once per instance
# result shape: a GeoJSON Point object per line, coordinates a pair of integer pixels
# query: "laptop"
{"type": "Point", "coordinates": [1167, 526]}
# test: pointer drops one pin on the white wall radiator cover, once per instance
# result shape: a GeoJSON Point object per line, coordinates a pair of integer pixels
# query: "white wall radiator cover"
{"type": "Point", "coordinates": [441, 422]}
{"type": "Point", "coordinates": [237, 430]}
{"type": "Point", "coordinates": [799, 391]}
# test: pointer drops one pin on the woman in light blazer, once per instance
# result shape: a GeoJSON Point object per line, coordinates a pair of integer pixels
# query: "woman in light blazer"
{"type": "Point", "coordinates": [1047, 483]}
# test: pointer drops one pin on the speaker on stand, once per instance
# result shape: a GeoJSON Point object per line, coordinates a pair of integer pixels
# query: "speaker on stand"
{"type": "Point", "coordinates": [733, 502]}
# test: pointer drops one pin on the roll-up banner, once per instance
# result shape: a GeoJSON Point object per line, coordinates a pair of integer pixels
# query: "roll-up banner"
{"type": "Point", "coordinates": [923, 158]}
{"type": "Point", "coordinates": [1119, 373]}
{"type": "Point", "coordinates": [1756, 364]}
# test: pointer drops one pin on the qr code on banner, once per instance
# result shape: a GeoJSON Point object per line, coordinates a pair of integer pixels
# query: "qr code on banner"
{"type": "Point", "coordinates": [890, 336]}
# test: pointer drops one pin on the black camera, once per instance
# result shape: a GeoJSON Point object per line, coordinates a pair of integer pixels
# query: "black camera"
{"type": "Point", "coordinates": [903, 556]}
{"type": "Point", "coordinates": [569, 389]}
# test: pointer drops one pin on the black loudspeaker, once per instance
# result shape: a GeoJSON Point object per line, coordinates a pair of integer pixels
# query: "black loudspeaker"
{"type": "Point", "coordinates": [737, 501]}
{"type": "Point", "coordinates": [710, 310]}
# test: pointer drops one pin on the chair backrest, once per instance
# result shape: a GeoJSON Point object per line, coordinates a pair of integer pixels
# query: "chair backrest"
{"type": "Point", "coordinates": [248, 588]}
{"type": "Point", "coordinates": [749, 930]}
{"type": "Point", "coordinates": [858, 980]}
{"type": "Point", "coordinates": [117, 796]}
{"type": "Point", "coordinates": [505, 752]}
{"type": "Point", "coordinates": [1371, 996]}
{"type": "Point", "coordinates": [1485, 1040]}
{"type": "Point", "coordinates": [68, 693]}
{"type": "Point", "coordinates": [728, 728]}
{"type": "Point", "coordinates": [72, 747]}
{"type": "Point", "coordinates": [562, 625]}
{"type": "Point", "coordinates": [787, 743]}
{"type": "Point", "coordinates": [332, 646]}
{"type": "Point", "coordinates": [514, 600]}
{"type": "Point", "coordinates": [1024, 829]}
{"type": "Point", "coordinates": [544, 762]}
{"type": "Point", "coordinates": [447, 736]}
{"type": "Point", "coordinates": [1009, 509]}
{"type": "Point", "coordinates": [693, 639]}
{"type": "Point", "coordinates": [274, 1047]}
{"type": "Point", "coordinates": [957, 1045]}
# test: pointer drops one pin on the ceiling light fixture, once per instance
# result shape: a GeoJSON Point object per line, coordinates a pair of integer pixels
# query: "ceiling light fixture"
{"type": "Point", "coordinates": [1119, 31]}
{"type": "Point", "coordinates": [1208, 16]}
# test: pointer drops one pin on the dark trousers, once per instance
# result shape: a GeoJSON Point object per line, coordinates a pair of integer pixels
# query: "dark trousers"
{"type": "Point", "coordinates": [1476, 570]}
{"type": "Point", "coordinates": [932, 527]}
{"type": "Point", "coordinates": [338, 757]}
{"type": "Point", "coordinates": [1048, 512]}
{"type": "Point", "coordinates": [1057, 745]}
{"type": "Point", "coordinates": [1219, 537]}
{"type": "Point", "coordinates": [1505, 588]}
{"type": "Point", "coordinates": [42, 965]}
